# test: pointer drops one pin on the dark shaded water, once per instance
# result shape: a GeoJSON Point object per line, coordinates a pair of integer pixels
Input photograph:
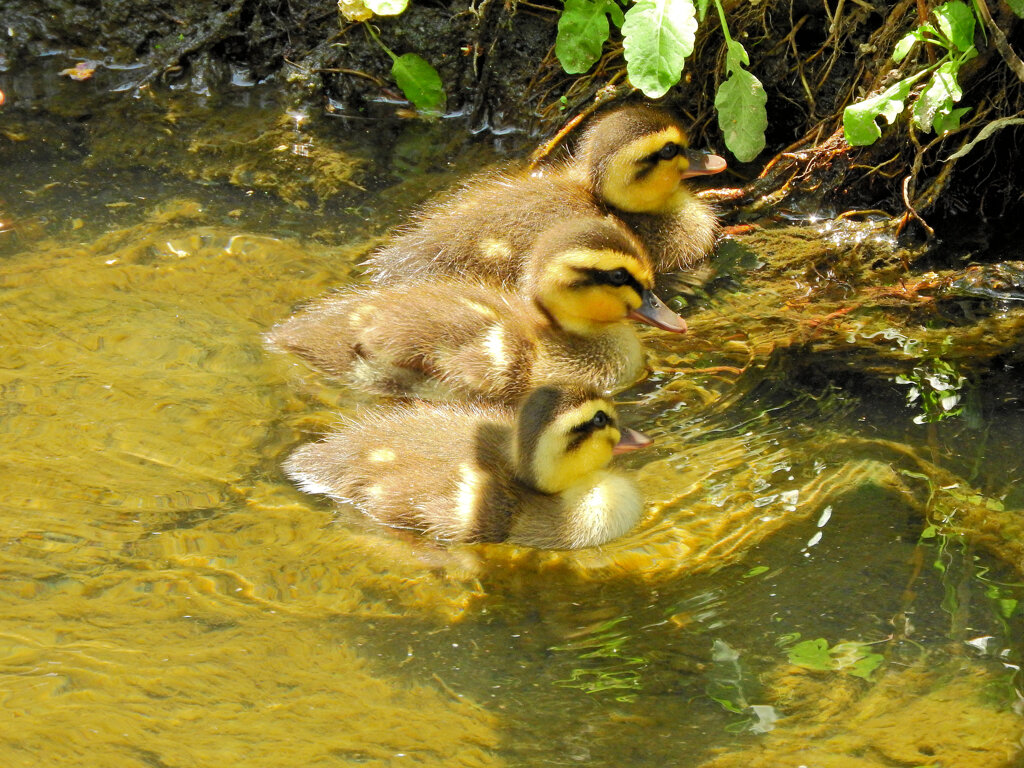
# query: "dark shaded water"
{"type": "Point", "coordinates": [169, 599]}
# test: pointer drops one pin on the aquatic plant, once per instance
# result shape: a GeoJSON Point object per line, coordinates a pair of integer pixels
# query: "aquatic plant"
{"type": "Point", "coordinates": [851, 657]}
{"type": "Point", "coordinates": [936, 387]}
{"type": "Point", "coordinates": [615, 670]}
{"type": "Point", "coordinates": [727, 687]}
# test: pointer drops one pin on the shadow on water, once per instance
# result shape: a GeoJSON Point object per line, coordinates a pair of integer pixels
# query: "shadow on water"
{"type": "Point", "coordinates": [813, 565]}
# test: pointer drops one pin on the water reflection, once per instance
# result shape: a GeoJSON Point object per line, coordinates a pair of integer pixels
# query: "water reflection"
{"type": "Point", "coordinates": [170, 598]}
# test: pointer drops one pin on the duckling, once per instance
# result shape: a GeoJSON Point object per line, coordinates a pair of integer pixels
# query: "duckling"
{"type": "Point", "coordinates": [632, 164]}
{"type": "Point", "coordinates": [471, 473]}
{"type": "Point", "coordinates": [442, 338]}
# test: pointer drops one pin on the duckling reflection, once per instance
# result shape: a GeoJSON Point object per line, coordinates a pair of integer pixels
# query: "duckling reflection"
{"type": "Point", "coordinates": [633, 164]}
{"type": "Point", "coordinates": [441, 338]}
{"type": "Point", "coordinates": [469, 473]}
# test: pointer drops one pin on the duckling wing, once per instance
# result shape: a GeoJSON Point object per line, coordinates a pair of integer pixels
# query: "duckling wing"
{"type": "Point", "coordinates": [434, 339]}
{"type": "Point", "coordinates": [440, 469]}
{"type": "Point", "coordinates": [485, 229]}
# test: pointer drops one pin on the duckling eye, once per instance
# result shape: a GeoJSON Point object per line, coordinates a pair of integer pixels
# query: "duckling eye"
{"type": "Point", "coordinates": [618, 277]}
{"type": "Point", "coordinates": [668, 151]}
{"type": "Point", "coordinates": [600, 420]}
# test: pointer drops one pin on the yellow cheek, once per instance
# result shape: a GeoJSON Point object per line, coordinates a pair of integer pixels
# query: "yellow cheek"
{"type": "Point", "coordinates": [599, 305]}
{"type": "Point", "coordinates": [594, 454]}
{"type": "Point", "coordinates": [661, 184]}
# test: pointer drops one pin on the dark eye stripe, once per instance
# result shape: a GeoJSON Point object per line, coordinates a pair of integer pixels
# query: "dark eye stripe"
{"type": "Point", "coordinates": [580, 433]}
{"type": "Point", "coordinates": [668, 151]}
{"type": "Point", "coordinates": [592, 276]}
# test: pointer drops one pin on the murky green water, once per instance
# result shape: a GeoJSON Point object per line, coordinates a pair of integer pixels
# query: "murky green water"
{"type": "Point", "coordinates": [168, 599]}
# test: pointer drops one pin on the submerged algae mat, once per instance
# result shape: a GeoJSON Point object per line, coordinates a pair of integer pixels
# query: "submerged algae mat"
{"type": "Point", "coordinates": [170, 599]}
{"type": "Point", "coordinates": [913, 717]}
{"type": "Point", "coordinates": [157, 573]}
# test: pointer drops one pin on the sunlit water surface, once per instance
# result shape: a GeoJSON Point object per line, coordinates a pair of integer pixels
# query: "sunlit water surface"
{"type": "Point", "coordinates": [168, 599]}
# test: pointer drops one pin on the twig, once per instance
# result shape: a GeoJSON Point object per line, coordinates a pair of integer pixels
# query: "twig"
{"type": "Point", "coordinates": [1000, 41]}
{"type": "Point", "coordinates": [911, 212]}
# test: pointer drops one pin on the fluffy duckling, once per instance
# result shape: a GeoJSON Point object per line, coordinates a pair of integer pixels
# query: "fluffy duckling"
{"type": "Point", "coordinates": [632, 164]}
{"type": "Point", "coordinates": [443, 338]}
{"type": "Point", "coordinates": [464, 473]}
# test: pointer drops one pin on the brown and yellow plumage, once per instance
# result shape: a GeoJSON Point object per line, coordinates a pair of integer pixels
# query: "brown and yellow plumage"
{"type": "Point", "coordinates": [632, 165]}
{"type": "Point", "coordinates": [471, 473]}
{"type": "Point", "coordinates": [443, 337]}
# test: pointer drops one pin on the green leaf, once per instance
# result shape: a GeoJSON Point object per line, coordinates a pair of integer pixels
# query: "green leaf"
{"type": "Point", "coordinates": [865, 666]}
{"type": "Point", "coordinates": [1017, 6]}
{"type": "Point", "coordinates": [941, 93]}
{"type": "Point", "coordinates": [948, 121]}
{"type": "Point", "coordinates": [811, 654]}
{"type": "Point", "coordinates": [386, 7]}
{"type": "Point", "coordinates": [657, 37]}
{"type": "Point", "coordinates": [856, 659]}
{"type": "Point", "coordinates": [582, 32]}
{"type": "Point", "coordinates": [419, 82]}
{"type": "Point", "coordinates": [742, 116]}
{"type": "Point", "coordinates": [703, 5]}
{"type": "Point", "coordinates": [615, 11]}
{"type": "Point", "coordinates": [956, 23]}
{"type": "Point", "coordinates": [859, 124]}
{"type": "Point", "coordinates": [903, 47]}
{"type": "Point", "coordinates": [735, 56]}
{"type": "Point", "coordinates": [1007, 606]}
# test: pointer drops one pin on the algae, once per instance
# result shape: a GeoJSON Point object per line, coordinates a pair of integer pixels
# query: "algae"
{"type": "Point", "coordinates": [277, 150]}
{"type": "Point", "coordinates": [917, 716]}
{"type": "Point", "coordinates": [183, 593]}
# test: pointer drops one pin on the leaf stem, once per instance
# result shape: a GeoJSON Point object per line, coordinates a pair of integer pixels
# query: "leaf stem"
{"type": "Point", "coordinates": [721, 18]}
{"type": "Point", "coordinates": [373, 34]}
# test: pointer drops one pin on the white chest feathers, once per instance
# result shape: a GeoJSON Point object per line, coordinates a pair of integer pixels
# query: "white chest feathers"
{"type": "Point", "coordinates": [601, 511]}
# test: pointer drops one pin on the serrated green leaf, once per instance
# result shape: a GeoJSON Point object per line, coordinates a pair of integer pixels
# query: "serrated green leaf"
{"type": "Point", "coordinates": [941, 93]}
{"type": "Point", "coordinates": [386, 7]}
{"type": "Point", "coordinates": [735, 56]}
{"type": "Point", "coordinates": [1017, 6]}
{"type": "Point", "coordinates": [419, 82]}
{"type": "Point", "coordinates": [859, 126]}
{"type": "Point", "coordinates": [740, 102]}
{"type": "Point", "coordinates": [582, 31]}
{"type": "Point", "coordinates": [956, 23]}
{"type": "Point", "coordinates": [657, 36]}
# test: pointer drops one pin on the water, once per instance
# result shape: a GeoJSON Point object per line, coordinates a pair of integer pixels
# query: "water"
{"type": "Point", "coordinates": [169, 599]}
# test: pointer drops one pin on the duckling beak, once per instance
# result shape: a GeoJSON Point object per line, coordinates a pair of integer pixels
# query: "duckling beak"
{"type": "Point", "coordinates": [703, 164]}
{"type": "Point", "coordinates": [630, 440]}
{"type": "Point", "coordinates": [654, 311]}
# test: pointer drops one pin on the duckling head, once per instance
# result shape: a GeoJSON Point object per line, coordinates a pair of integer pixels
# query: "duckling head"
{"type": "Point", "coordinates": [590, 273]}
{"type": "Point", "coordinates": [637, 158]}
{"type": "Point", "coordinates": [564, 433]}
